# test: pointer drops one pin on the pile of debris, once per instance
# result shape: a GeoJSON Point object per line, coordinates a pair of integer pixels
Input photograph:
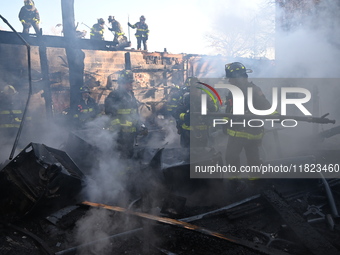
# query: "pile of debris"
{"type": "Point", "coordinates": [44, 211]}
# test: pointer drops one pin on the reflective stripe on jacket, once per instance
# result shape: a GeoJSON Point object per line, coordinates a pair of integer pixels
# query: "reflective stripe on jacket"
{"type": "Point", "coordinates": [10, 118]}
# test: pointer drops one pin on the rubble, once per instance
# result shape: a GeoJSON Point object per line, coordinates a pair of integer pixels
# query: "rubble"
{"type": "Point", "coordinates": [273, 216]}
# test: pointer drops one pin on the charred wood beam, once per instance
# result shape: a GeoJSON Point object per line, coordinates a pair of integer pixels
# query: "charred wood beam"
{"type": "Point", "coordinates": [75, 56]}
{"type": "Point", "coordinates": [127, 61]}
{"type": "Point", "coordinates": [7, 37]}
{"type": "Point", "coordinates": [220, 210]}
{"type": "Point", "coordinates": [45, 74]}
{"type": "Point", "coordinates": [37, 239]}
{"type": "Point", "coordinates": [176, 223]}
{"type": "Point", "coordinates": [310, 238]}
{"type": "Point", "coordinates": [330, 132]}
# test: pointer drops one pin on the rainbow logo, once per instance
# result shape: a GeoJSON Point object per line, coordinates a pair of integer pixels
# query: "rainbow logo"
{"type": "Point", "coordinates": [209, 93]}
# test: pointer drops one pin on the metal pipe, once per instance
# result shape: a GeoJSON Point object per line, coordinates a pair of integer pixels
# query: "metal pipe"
{"type": "Point", "coordinates": [129, 28]}
{"type": "Point", "coordinates": [330, 197]}
{"type": "Point", "coordinates": [29, 87]}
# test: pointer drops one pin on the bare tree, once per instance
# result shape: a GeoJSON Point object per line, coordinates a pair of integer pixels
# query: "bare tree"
{"type": "Point", "coordinates": [244, 35]}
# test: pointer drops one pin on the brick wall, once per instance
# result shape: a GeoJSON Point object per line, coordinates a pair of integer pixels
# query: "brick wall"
{"type": "Point", "coordinates": [150, 70]}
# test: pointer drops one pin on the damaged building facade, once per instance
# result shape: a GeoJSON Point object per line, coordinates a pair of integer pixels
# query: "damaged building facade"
{"type": "Point", "coordinates": [56, 202]}
{"type": "Point", "coordinates": [155, 73]}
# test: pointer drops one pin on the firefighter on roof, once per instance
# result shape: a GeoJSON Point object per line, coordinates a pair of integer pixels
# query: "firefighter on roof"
{"type": "Point", "coordinates": [142, 33]}
{"type": "Point", "coordinates": [97, 30]}
{"type": "Point", "coordinates": [29, 16]}
{"type": "Point", "coordinates": [117, 29]}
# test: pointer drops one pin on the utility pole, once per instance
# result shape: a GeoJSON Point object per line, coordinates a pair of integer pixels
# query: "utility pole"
{"type": "Point", "coordinates": [75, 56]}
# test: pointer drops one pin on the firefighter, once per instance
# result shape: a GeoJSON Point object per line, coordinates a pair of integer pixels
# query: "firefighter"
{"type": "Point", "coordinates": [193, 131]}
{"type": "Point", "coordinates": [97, 30]}
{"type": "Point", "coordinates": [241, 136]}
{"type": "Point", "coordinates": [122, 107]}
{"type": "Point", "coordinates": [87, 108]}
{"type": "Point", "coordinates": [11, 111]}
{"type": "Point", "coordinates": [142, 33]}
{"type": "Point", "coordinates": [29, 16]}
{"type": "Point", "coordinates": [117, 29]}
{"type": "Point", "coordinates": [174, 100]}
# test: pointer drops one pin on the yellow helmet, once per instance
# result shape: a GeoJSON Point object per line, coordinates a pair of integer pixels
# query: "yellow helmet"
{"type": "Point", "coordinates": [9, 90]}
{"type": "Point", "coordinates": [190, 81]}
{"type": "Point", "coordinates": [28, 2]}
{"type": "Point", "coordinates": [125, 76]}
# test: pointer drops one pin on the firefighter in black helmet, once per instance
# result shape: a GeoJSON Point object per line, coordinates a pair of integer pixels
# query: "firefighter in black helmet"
{"type": "Point", "coordinates": [121, 106]}
{"type": "Point", "coordinates": [242, 136]}
{"type": "Point", "coordinates": [117, 29]}
{"type": "Point", "coordinates": [87, 108]}
{"type": "Point", "coordinates": [11, 112]}
{"type": "Point", "coordinates": [29, 16]}
{"type": "Point", "coordinates": [193, 131]}
{"type": "Point", "coordinates": [97, 30]}
{"type": "Point", "coordinates": [142, 33]}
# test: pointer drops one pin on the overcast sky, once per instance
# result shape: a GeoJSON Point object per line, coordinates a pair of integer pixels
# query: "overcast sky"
{"type": "Point", "coordinates": [180, 26]}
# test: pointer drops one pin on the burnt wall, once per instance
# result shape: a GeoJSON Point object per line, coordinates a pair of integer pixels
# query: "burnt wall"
{"type": "Point", "coordinates": [154, 72]}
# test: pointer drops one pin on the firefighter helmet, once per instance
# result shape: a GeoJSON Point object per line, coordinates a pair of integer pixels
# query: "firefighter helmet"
{"type": "Point", "coordinates": [9, 90]}
{"type": "Point", "coordinates": [236, 70]}
{"type": "Point", "coordinates": [101, 21]}
{"type": "Point", "coordinates": [125, 77]}
{"type": "Point", "coordinates": [28, 2]}
{"type": "Point", "coordinates": [85, 89]}
{"type": "Point", "coordinates": [186, 98]}
{"type": "Point", "coordinates": [190, 81]}
{"type": "Point", "coordinates": [175, 87]}
{"type": "Point", "coordinates": [142, 18]}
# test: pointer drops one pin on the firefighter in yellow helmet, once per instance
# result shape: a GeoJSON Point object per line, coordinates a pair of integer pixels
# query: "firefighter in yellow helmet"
{"type": "Point", "coordinates": [121, 106]}
{"type": "Point", "coordinates": [142, 33]}
{"type": "Point", "coordinates": [97, 30]}
{"type": "Point", "coordinates": [29, 16]}
{"type": "Point", "coordinates": [243, 136]}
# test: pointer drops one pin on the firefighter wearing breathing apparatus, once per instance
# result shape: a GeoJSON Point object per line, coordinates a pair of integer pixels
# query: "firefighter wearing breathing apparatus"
{"type": "Point", "coordinates": [193, 132]}
{"type": "Point", "coordinates": [243, 136]}
{"type": "Point", "coordinates": [122, 107]}
{"type": "Point", "coordinates": [87, 108]}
